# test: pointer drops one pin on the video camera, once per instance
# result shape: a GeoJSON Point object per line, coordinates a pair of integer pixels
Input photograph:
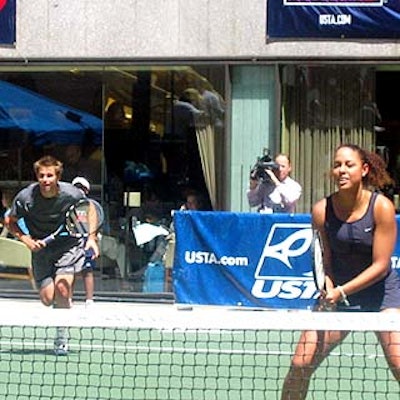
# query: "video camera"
{"type": "Point", "coordinates": [263, 163]}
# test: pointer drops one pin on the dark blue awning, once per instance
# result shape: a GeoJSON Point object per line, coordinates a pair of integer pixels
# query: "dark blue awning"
{"type": "Point", "coordinates": [43, 120]}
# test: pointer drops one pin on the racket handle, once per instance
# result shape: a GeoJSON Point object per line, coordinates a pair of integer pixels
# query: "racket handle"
{"type": "Point", "coordinates": [48, 239]}
{"type": "Point", "coordinates": [89, 253]}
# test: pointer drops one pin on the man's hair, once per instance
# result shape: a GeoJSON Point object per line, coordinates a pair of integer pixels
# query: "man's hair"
{"type": "Point", "coordinates": [283, 155]}
{"type": "Point", "coordinates": [48, 161]}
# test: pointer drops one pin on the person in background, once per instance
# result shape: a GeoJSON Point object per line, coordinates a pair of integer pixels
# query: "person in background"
{"type": "Point", "coordinates": [279, 192]}
{"type": "Point", "coordinates": [3, 210]}
{"type": "Point", "coordinates": [43, 205]}
{"type": "Point", "coordinates": [358, 228]}
{"type": "Point", "coordinates": [7, 197]}
{"type": "Point", "coordinates": [195, 201]}
{"type": "Point", "coordinates": [180, 147]}
{"type": "Point", "coordinates": [212, 103]}
{"type": "Point", "coordinates": [116, 141]}
{"type": "Point", "coordinates": [90, 263]}
{"type": "Point", "coordinates": [76, 163]}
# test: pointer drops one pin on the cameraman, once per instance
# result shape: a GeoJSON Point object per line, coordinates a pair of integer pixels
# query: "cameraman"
{"type": "Point", "coordinates": [274, 191]}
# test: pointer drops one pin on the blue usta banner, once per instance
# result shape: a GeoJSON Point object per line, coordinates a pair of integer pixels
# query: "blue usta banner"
{"type": "Point", "coordinates": [246, 259]}
{"type": "Point", "coordinates": [243, 259]}
{"type": "Point", "coordinates": [7, 22]}
{"type": "Point", "coordinates": [362, 19]}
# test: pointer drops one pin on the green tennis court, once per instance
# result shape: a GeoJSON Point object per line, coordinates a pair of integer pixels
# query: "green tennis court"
{"type": "Point", "coordinates": [176, 359]}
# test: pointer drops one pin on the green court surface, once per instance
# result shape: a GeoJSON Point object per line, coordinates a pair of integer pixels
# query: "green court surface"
{"type": "Point", "coordinates": [180, 363]}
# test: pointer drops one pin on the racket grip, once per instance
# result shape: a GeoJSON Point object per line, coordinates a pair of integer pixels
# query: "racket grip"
{"type": "Point", "coordinates": [48, 239]}
{"type": "Point", "coordinates": [89, 253]}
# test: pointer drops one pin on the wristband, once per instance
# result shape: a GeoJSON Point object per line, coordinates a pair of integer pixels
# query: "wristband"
{"type": "Point", "coordinates": [344, 295]}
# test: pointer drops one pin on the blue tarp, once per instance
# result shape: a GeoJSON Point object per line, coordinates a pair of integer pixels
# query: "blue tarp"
{"type": "Point", "coordinates": [43, 120]}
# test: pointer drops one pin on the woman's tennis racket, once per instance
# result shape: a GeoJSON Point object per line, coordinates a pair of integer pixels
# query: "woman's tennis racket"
{"type": "Point", "coordinates": [318, 262]}
{"type": "Point", "coordinates": [318, 270]}
{"type": "Point", "coordinates": [81, 220]}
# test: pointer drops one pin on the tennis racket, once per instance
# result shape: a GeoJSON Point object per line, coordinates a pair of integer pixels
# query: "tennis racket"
{"type": "Point", "coordinates": [318, 262]}
{"type": "Point", "coordinates": [81, 220]}
{"type": "Point", "coordinates": [317, 250]}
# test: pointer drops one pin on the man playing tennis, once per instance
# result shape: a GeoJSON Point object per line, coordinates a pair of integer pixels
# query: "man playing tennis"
{"type": "Point", "coordinates": [43, 206]}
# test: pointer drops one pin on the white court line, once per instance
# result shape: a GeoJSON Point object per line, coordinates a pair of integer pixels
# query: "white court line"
{"type": "Point", "coordinates": [12, 345]}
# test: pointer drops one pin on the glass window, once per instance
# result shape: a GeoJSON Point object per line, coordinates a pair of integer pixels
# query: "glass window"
{"type": "Point", "coordinates": [145, 134]}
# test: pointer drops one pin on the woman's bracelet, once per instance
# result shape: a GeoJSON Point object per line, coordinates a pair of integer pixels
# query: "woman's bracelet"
{"type": "Point", "coordinates": [344, 295]}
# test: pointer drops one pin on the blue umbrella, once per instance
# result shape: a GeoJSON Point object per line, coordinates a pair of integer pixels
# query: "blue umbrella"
{"type": "Point", "coordinates": [43, 120]}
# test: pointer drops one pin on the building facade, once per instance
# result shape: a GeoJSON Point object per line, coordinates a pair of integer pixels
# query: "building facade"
{"type": "Point", "coordinates": [190, 93]}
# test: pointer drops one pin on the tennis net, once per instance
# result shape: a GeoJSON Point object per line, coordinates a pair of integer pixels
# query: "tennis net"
{"type": "Point", "coordinates": [134, 351]}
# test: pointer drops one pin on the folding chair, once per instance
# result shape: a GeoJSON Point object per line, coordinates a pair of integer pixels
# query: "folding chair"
{"type": "Point", "coordinates": [14, 254]}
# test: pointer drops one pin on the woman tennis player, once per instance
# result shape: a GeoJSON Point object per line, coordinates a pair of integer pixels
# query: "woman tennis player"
{"type": "Point", "coordinates": [43, 206]}
{"type": "Point", "coordinates": [359, 230]}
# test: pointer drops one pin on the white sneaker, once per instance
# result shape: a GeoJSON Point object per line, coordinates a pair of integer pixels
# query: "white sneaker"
{"type": "Point", "coordinates": [61, 349]}
{"type": "Point", "coordinates": [61, 342]}
{"type": "Point", "coordinates": [89, 303]}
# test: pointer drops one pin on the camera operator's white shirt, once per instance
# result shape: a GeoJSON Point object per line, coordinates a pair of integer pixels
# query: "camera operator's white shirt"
{"type": "Point", "coordinates": [281, 198]}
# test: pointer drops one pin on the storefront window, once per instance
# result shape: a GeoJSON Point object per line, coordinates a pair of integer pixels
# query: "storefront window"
{"type": "Point", "coordinates": [324, 106]}
{"type": "Point", "coordinates": [145, 133]}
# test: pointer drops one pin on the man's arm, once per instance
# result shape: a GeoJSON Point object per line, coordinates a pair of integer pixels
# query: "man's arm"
{"type": "Point", "coordinates": [92, 241]}
{"type": "Point", "coordinates": [254, 194]}
{"type": "Point", "coordinates": [12, 226]}
{"type": "Point", "coordinates": [11, 223]}
{"type": "Point", "coordinates": [290, 192]}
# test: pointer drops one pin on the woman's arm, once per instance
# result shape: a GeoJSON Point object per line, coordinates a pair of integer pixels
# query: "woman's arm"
{"type": "Point", "coordinates": [384, 240]}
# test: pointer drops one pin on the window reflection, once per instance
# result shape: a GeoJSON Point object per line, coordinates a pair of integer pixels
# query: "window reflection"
{"type": "Point", "coordinates": [152, 120]}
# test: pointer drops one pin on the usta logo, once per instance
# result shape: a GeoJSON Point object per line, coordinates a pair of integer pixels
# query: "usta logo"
{"type": "Point", "coordinates": [285, 244]}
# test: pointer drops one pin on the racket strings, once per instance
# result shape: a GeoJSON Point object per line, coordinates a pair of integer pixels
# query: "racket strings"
{"type": "Point", "coordinates": [77, 220]}
{"type": "Point", "coordinates": [85, 218]}
{"type": "Point", "coordinates": [319, 273]}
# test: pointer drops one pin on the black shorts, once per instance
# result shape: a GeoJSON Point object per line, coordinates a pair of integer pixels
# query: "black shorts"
{"type": "Point", "coordinates": [64, 256]}
{"type": "Point", "coordinates": [382, 295]}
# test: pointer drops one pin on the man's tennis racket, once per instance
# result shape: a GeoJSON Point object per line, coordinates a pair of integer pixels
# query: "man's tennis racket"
{"type": "Point", "coordinates": [81, 220]}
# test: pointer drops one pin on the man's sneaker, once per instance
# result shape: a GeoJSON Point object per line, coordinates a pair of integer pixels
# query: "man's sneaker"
{"type": "Point", "coordinates": [61, 349]}
{"type": "Point", "coordinates": [61, 342]}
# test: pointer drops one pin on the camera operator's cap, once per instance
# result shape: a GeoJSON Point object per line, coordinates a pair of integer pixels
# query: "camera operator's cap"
{"type": "Point", "coordinates": [81, 181]}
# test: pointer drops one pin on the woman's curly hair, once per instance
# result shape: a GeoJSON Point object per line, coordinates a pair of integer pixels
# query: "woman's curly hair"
{"type": "Point", "coordinates": [378, 176]}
